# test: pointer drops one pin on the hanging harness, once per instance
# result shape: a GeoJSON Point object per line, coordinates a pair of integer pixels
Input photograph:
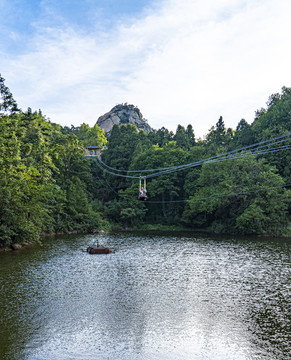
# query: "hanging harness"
{"type": "Point", "coordinates": [142, 189]}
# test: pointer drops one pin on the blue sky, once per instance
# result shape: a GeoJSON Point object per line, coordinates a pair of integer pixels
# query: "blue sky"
{"type": "Point", "coordinates": [179, 61]}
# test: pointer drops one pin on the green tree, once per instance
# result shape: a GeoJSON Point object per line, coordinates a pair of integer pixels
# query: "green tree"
{"type": "Point", "coordinates": [181, 138]}
{"type": "Point", "coordinates": [118, 154]}
{"type": "Point", "coordinates": [274, 121]}
{"type": "Point", "coordinates": [190, 135]}
{"type": "Point", "coordinates": [90, 136]}
{"type": "Point", "coordinates": [243, 135]}
{"type": "Point", "coordinates": [222, 213]}
{"type": "Point", "coordinates": [161, 137]}
{"type": "Point", "coordinates": [7, 103]}
{"type": "Point", "coordinates": [22, 188]}
{"type": "Point", "coordinates": [164, 188]}
{"type": "Point", "coordinates": [219, 138]}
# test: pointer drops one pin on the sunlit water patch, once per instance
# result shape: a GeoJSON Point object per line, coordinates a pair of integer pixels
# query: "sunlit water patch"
{"type": "Point", "coordinates": [154, 297]}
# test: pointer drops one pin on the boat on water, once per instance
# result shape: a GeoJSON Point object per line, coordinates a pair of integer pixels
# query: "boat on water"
{"type": "Point", "coordinates": [98, 250]}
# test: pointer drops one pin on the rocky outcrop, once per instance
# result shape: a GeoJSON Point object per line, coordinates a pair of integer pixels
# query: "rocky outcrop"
{"type": "Point", "coordinates": [16, 246]}
{"type": "Point", "coordinates": [123, 114]}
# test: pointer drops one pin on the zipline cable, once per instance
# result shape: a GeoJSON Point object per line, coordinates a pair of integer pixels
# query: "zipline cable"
{"type": "Point", "coordinates": [260, 148]}
{"type": "Point", "coordinates": [201, 162]}
{"type": "Point", "coordinates": [174, 168]}
{"type": "Point", "coordinates": [112, 173]}
{"type": "Point", "coordinates": [237, 156]}
{"type": "Point", "coordinates": [214, 157]}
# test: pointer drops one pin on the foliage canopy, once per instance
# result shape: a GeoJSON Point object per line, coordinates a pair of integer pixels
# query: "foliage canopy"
{"type": "Point", "coordinates": [48, 186]}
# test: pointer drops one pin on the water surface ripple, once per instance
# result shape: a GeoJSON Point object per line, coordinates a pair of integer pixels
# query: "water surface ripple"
{"type": "Point", "coordinates": [155, 297]}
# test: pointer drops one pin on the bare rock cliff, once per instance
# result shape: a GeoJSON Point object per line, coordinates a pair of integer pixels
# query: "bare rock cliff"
{"type": "Point", "coordinates": [123, 114]}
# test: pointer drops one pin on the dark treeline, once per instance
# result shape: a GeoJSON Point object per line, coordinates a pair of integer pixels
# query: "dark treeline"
{"type": "Point", "coordinates": [48, 186]}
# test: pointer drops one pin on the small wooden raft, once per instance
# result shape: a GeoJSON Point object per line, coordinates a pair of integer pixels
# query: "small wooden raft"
{"type": "Point", "coordinates": [98, 250]}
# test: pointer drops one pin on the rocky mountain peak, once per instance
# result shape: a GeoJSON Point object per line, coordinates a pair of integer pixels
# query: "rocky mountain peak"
{"type": "Point", "coordinates": [123, 114]}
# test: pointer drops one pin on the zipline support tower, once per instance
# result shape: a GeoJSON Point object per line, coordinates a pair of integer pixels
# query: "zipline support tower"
{"type": "Point", "coordinates": [92, 151]}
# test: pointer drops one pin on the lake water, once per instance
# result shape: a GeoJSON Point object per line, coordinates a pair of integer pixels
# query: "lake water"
{"type": "Point", "coordinates": [155, 297]}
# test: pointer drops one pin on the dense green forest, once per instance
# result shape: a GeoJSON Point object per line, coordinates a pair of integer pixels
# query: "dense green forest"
{"type": "Point", "coordinates": [48, 186]}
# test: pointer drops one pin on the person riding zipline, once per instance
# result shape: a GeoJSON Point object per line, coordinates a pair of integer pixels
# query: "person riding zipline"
{"type": "Point", "coordinates": [142, 194]}
{"type": "Point", "coordinates": [142, 190]}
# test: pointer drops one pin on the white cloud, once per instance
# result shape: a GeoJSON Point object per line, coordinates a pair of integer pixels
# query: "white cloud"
{"type": "Point", "coordinates": [187, 62]}
{"type": "Point", "coordinates": [222, 67]}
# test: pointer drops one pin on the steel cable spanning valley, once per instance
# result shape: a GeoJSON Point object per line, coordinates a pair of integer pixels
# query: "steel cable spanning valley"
{"type": "Point", "coordinates": [279, 143]}
{"type": "Point", "coordinates": [282, 142]}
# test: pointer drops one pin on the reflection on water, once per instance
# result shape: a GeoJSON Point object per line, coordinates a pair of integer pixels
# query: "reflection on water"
{"type": "Point", "coordinates": [155, 297]}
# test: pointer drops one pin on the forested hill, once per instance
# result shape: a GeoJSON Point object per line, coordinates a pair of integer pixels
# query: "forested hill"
{"type": "Point", "coordinates": [48, 186]}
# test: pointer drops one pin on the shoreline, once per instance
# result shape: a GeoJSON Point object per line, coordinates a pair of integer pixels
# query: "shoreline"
{"type": "Point", "coordinates": [157, 229]}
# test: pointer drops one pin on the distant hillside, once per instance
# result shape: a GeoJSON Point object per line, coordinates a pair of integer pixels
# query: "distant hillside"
{"type": "Point", "coordinates": [123, 114]}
